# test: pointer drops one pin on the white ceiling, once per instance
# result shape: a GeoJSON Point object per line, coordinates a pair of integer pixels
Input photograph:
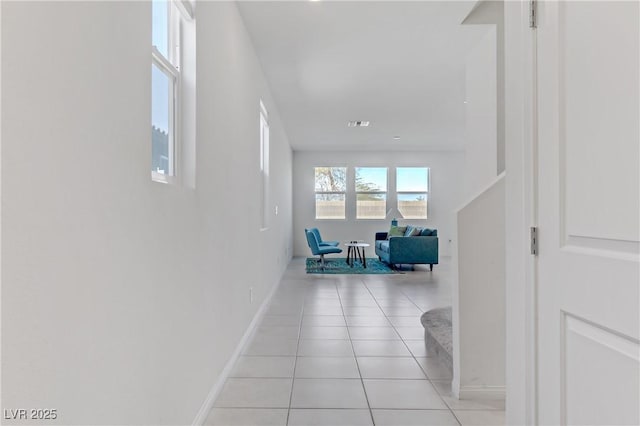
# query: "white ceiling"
{"type": "Point", "coordinates": [399, 65]}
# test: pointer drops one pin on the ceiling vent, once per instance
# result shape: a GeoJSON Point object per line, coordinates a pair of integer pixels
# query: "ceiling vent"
{"type": "Point", "coordinates": [358, 124]}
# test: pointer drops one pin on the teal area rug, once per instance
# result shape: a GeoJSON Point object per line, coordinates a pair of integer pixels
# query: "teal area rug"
{"type": "Point", "coordinates": [338, 265]}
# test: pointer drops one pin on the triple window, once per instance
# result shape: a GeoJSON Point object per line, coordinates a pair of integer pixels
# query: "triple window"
{"type": "Point", "coordinates": [370, 186]}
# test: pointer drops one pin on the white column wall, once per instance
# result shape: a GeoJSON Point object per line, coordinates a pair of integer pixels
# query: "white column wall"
{"type": "Point", "coordinates": [479, 297]}
{"type": "Point", "coordinates": [122, 299]}
{"type": "Point", "coordinates": [445, 195]}
{"type": "Point", "coordinates": [481, 140]}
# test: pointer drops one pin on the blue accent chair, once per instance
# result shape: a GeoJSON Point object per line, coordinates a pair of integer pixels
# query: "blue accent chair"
{"type": "Point", "coordinates": [322, 243]}
{"type": "Point", "coordinates": [316, 249]}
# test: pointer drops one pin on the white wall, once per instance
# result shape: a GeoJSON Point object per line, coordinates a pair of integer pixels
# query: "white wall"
{"type": "Point", "coordinates": [490, 12]}
{"type": "Point", "coordinates": [122, 298]}
{"type": "Point", "coordinates": [481, 114]}
{"type": "Point", "coordinates": [446, 191]}
{"type": "Point", "coordinates": [479, 297]}
{"type": "Point", "coordinates": [479, 285]}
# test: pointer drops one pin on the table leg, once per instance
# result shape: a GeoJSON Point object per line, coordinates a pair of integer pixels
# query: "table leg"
{"type": "Point", "coordinates": [364, 259]}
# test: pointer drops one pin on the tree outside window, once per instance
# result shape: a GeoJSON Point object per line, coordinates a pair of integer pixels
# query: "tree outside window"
{"type": "Point", "coordinates": [330, 192]}
{"type": "Point", "coordinates": [371, 192]}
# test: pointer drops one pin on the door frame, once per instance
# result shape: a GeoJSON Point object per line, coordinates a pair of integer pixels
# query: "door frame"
{"type": "Point", "coordinates": [521, 213]}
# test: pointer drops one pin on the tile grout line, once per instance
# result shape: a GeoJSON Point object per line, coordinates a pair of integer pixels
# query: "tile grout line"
{"type": "Point", "coordinates": [455, 417]}
{"type": "Point", "coordinates": [412, 354]}
{"type": "Point", "coordinates": [364, 389]}
{"type": "Point", "coordinates": [391, 324]}
{"type": "Point", "coordinates": [295, 360]}
{"type": "Point", "coordinates": [336, 285]}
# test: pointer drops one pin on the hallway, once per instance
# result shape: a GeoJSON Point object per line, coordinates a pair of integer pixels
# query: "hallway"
{"type": "Point", "coordinates": [347, 350]}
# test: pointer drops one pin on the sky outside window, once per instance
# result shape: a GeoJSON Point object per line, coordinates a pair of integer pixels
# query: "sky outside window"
{"type": "Point", "coordinates": [371, 179]}
{"type": "Point", "coordinates": [161, 87]}
{"type": "Point", "coordinates": [160, 26]}
{"type": "Point", "coordinates": [412, 185]}
{"type": "Point", "coordinates": [412, 179]}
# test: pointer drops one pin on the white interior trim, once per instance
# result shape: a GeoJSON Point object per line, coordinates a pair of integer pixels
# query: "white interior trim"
{"type": "Point", "coordinates": [207, 405]}
{"type": "Point", "coordinates": [482, 392]}
{"type": "Point", "coordinates": [1, 364]}
{"type": "Point", "coordinates": [520, 193]}
{"type": "Point", "coordinates": [263, 110]}
{"type": "Point", "coordinates": [482, 191]}
{"type": "Point", "coordinates": [186, 9]}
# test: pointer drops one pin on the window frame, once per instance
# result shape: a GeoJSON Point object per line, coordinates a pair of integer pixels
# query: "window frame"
{"type": "Point", "coordinates": [426, 193]}
{"type": "Point", "coordinates": [344, 193]}
{"type": "Point", "coordinates": [264, 165]}
{"type": "Point", "coordinates": [386, 198]}
{"type": "Point", "coordinates": [171, 68]}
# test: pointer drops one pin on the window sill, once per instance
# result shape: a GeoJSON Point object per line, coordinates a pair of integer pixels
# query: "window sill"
{"type": "Point", "coordinates": [162, 178]}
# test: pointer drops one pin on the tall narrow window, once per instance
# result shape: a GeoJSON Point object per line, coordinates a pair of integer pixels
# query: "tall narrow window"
{"type": "Point", "coordinates": [330, 189]}
{"type": "Point", "coordinates": [371, 192]}
{"type": "Point", "coordinates": [264, 164]}
{"type": "Point", "coordinates": [165, 82]}
{"type": "Point", "coordinates": [412, 187]}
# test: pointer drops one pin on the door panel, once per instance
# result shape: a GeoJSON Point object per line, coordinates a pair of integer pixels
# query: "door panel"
{"type": "Point", "coordinates": [588, 212]}
{"type": "Point", "coordinates": [598, 87]}
{"type": "Point", "coordinates": [585, 346]}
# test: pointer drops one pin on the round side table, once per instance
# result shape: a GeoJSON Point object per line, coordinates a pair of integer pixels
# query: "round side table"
{"type": "Point", "coordinates": [355, 250]}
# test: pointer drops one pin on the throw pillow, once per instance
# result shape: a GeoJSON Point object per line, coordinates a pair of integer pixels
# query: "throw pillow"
{"type": "Point", "coordinates": [396, 231]}
{"type": "Point", "coordinates": [426, 232]}
{"type": "Point", "coordinates": [411, 231]}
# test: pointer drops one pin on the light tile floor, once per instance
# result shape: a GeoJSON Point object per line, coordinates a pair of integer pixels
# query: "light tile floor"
{"type": "Point", "coordinates": [347, 350]}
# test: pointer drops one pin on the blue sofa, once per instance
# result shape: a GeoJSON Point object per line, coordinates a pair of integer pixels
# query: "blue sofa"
{"type": "Point", "coordinates": [420, 248]}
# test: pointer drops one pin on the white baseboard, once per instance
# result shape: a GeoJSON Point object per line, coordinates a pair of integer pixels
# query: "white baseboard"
{"type": "Point", "coordinates": [207, 405]}
{"type": "Point", "coordinates": [482, 392]}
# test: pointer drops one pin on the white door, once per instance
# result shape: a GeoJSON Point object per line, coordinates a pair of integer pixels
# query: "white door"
{"type": "Point", "coordinates": [588, 212]}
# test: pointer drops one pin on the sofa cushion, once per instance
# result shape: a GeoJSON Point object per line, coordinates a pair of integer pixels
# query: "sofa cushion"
{"type": "Point", "coordinates": [383, 246]}
{"type": "Point", "coordinates": [396, 231]}
{"type": "Point", "coordinates": [411, 231]}
{"type": "Point", "coordinates": [381, 236]}
{"type": "Point", "coordinates": [426, 232]}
